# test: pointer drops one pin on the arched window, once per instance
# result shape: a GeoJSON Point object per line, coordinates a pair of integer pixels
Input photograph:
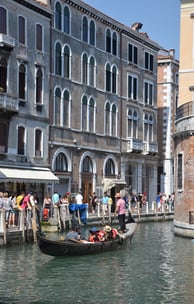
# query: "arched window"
{"type": "Point", "coordinates": [91, 115]}
{"type": "Point", "coordinates": [148, 127]}
{"type": "Point", "coordinates": [132, 123]}
{"type": "Point", "coordinates": [85, 69]}
{"type": "Point", "coordinates": [65, 122]}
{"type": "Point", "coordinates": [58, 59]}
{"type": "Point", "coordinates": [61, 163]}
{"type": "Point", "coordinates": [66, 20]}
{"type": "Point", "coordinates": [3, 20]}
{"type": "Point", "coordinates": [39, 86]}
{"type": "Point", "coordinates": [57, 107]}
{"type": "Point", "coordinates": [108, 78]}
{"type": "Point", "coordinates": [114, 121]}
{"type": "Point", "coordinates": [87, 165]}
{"type": "Point", "coordinates": [151, 128]}
{"type": "Point", "coordinates": [85, 30]}
{"type": "Point", "coordinates": [3, 74]}
{"type": "Point", "coordinates": [66, 62]}
{"type": "Point", "coordinates": [91, 71]}
{"type": "Point", "coordinates": [108, 41]}
{"type": "Point", "coordinates": [114, 44]}
{"type": "Point", "coordinates": [92, 32]}
{"type": "Point", "coordinates": [114, 79]}
{"type": "Point", "coordinates": [22, 81]}
{"type": "Point", "coordinates": [38, 143]}
{"type": "Point", "coordinates": [3, 137]}
{"type": "Point", "coordinates": [21, 30]}
{"type": "Point", "coordinates": [58, 16]}
{"type": "Point", "coordinates": [21, 140]}
{"type": "Point", "coordinates": [109, 168]}
{"type": "Point", "coordinates": [84, 113]}
{"type": "Point", "coordinates": [107, 119]}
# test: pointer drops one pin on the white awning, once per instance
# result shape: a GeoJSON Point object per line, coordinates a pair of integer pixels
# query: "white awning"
{"type": "Point", "coordinates": [110, 183]}
{"type": "Point", "coordinates": [32, 175]}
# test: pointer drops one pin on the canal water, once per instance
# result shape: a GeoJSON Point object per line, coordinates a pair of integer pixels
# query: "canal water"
{"type": "Point", "coordinates": [157, 268]}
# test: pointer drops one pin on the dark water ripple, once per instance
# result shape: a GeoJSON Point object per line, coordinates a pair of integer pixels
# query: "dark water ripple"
{"type": "Point", "coordinates": [157, 268]}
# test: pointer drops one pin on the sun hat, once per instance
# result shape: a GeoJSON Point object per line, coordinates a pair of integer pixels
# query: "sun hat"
{"type": "Point", "coordinates": [94, 230]}
{"type": "Point", "coordinates": [107, 228]}
{"type": "Point", "coordinates": [118, 195]}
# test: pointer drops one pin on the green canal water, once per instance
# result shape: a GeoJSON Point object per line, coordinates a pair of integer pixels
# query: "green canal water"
{"type": "Point", "coordinates": [157, 268]}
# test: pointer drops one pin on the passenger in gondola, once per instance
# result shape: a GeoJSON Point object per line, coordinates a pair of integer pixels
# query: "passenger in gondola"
{"type": "Point", "coordinates": [96, 235]}
{"type": "Point", "coordinates": [74, 234]}
{"type": "Point", "coordinates": [110, 233]}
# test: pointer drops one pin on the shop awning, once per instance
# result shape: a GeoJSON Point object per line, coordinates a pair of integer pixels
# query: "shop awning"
{"type": "Point", "coordinates": [28, 175]}
{"type": "Point", "coordinates": [110, 183]}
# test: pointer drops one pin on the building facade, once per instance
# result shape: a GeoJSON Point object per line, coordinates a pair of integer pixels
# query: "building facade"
{"type": "Point", "coordinates": [168, 69]}
{"type": "Point", "coordinates": [24, 96]}
{"type": "Point", "coordinates": [103, 119]}
{"type": "Point", "coordinates": [183, 138]}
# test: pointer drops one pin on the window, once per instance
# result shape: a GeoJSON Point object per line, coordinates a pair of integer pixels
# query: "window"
{"type": "Point", "coordinates": [109, 168]}
{"type": "Point", "coordinates": [66, 62]}
{"type": "Point", "coordinates": [66, 20]}
{"type": "Point", "coordinates": [65, 112]}
{"type": "Point", "coordinates": [92, 32]}
{"type": "Point", "coordinates": [39, 37]}
{"type": "Point", "coordinates": [84, 113]}
{"type": "Point", "coordinates": [3, 137]}
{"type": "Point", "coordinates": [108, 41]}
{"type": "Point", "coordinates": [92, 71]}
{"type": "Point", "coordinates": [132, 87]}
{"type": "Point", "coordinates": [148, 128]}
{"type": "Point", "coordinates": [114, 121]}
{"type": "Point", "coordinates": [132, 123]}
{"type": "Point", "coordinates": [85, 69]}
{"type": "Point", "coordinates": [57, 106]}
{"type": "Point", "coordinates": [180, 171]}
{"type": "Point", "coordinates": [149, 62]}
{"type": "Point", "coordinates": [3, 21]}
{"type": "Point", "coordinates": [114, 79]}
{"type": "Point", "coordinates": [58, 59]}
{"type": "Point", "coordinates": [38, 143]}
{"type": "Point", "coordinates": [39, 86]}
{"type": "Point", "coordinates": [22, 81]}
{"type": "Point", "coordinates": [132, 53]}
{"type": "Point", "coordinates": [114, 44]}
{"type": "Point", "coordinates": [61, 163]}
{"type": "Point", "coordinates": [148, 93]}
{"type": "Point", "coordinates": [3, 74]}
{"type": "Point", "coordinates": [85, 30]}
{"type": "Point", "coordinates": [108, 78]}
{"type": "Point", "coordinates": [21, 140]}
{"type": "Point", "coordinates": [91, 115]}
{"type": "Point", "coordinates": [87, 165]}
{"type": "Point", "coordinates": [58, 16]}
{"type": "Point", "coordinates": [22, 30]}
{"type": "Point", "coordinates": [107, 118]}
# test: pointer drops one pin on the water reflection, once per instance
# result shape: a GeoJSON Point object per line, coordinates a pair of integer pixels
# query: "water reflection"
{"type": "Point", "coordinates": [156, 268]}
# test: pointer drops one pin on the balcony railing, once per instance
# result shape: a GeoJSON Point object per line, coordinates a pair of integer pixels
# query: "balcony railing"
{"type": "Point", "coordinates": [150, 148]}
{"type": "Point", "coordinates": [186, 109]}
{"type": "Point", "coordinates": [7, 42]}
{"type": "Point", "coordinates": [134, 145]}
{"type": "Point", "coordinates": [8, 103]}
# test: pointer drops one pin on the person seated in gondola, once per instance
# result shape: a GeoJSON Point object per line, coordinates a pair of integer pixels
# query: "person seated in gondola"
{"type": "Point", "coordinates": [74, 234]}
{"type": "Point", "coordinates": [96, 235]}
{"type": "Point", "coordinates": [110, 233]}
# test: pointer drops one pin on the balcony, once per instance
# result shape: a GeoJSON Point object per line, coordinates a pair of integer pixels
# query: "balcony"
{"type": "Point", "coordinates": [134, 145]}
{"type": "Point", "coordinates": [8, 103]}
{"type": "Point", "coordinates": [6, 42]}
{"type": "Point", "coordinates": [150, 148]}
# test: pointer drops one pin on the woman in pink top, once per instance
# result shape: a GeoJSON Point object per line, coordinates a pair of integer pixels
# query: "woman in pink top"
{"type": "Point", "coordinates": [120, 210]}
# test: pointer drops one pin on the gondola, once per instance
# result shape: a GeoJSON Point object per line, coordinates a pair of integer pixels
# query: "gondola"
{"type": "Point", "coordinates": [70, 248]}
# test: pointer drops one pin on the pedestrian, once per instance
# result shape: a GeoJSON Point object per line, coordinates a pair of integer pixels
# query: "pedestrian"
{"type": "Point", "coordinates": [94, 202]}
{"type": "Point", "coordinates": [104, 203]}
{"type": "Point", "coordinates": [79, 198]}
{"type": "Point", "coordinates": [120, 211]}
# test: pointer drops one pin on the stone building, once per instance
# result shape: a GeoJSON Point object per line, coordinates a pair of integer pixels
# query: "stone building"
{"type": "Point", "coordinates": [184, 133]}
{"type": "Point", "coordinates": [103, 103]}
{"type": "Point", "coordinates": [24, 96]}
{"type": "Point", "coordinates": [168, 69]}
